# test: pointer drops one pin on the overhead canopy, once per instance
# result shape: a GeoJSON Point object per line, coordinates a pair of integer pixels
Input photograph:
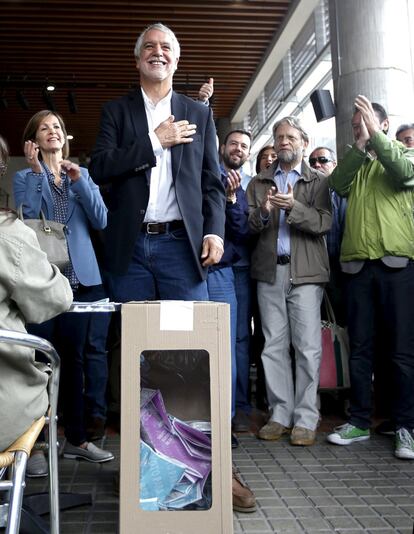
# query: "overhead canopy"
{"type": "Point", "coordinates": [85, 47]}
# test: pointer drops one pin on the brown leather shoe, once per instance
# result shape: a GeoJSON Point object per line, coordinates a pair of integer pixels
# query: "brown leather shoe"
{"type": "Point", "coordinates": [302, 436]}
{"type": "Point", "coordinates": [272, 431]}
{"type": "Point", "coordinates": [243, 497]}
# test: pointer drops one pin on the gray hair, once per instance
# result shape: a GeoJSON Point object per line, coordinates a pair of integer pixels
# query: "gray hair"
{"type": "Point", "coordinates": [402, 128]}
{"type": "Point", "coordinates": [295, 123]}
{"type": "Point", "coordinates": [161, 27]}
{"type": "Point", "coordinates": [4, 151]}
{"type": "Point", "coordinates": [331, 152]}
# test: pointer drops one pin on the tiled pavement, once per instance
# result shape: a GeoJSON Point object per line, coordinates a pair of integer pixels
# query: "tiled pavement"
{"type": "Point", "coordinates": [325, 488]}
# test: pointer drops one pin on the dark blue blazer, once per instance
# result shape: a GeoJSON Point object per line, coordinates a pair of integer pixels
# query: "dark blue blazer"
{"type": "Point", "coordinates": [123, 158]}
{"type": "Point", "coordinates": [236, 239]}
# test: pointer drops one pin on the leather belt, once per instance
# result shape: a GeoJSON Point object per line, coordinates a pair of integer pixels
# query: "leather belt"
{"type": "Point", "coordinates": [156, 228]}
{"type": "Point", "coordinates": [284, 259]}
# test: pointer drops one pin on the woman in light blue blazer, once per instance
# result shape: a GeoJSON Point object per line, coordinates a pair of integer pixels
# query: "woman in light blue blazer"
{"type": "Point", "coordinates": [66, 194]}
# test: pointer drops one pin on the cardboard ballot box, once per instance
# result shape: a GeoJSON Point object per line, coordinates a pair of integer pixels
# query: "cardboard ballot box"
{"type": "Point", "coordinates": [176, 390]}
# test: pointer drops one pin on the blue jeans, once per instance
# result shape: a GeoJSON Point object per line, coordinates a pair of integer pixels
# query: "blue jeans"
{"type": "Point", "coordinates": [221, 288]}
{"type": "Point", "coordinates": [68, 333]}
{"type": "Point", "coordinates": [242, 286]}
{"type": "Point", "coordinates": [162, 267]}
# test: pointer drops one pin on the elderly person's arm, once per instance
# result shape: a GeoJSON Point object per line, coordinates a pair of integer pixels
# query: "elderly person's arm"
{"type": "Point", "coordinates": [314, 217]}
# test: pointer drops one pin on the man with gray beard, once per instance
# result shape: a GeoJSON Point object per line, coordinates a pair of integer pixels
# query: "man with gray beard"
{"type": "Point", "coordinates": [290, 211]}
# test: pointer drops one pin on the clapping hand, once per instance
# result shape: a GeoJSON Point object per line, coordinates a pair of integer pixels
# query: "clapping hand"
{"type": "Point", "coordinates": [233, 183]}
{"type": "Point", "coordinates": [71, 169]}
{"type": "Point", "coordinates": [266, 205]}
{"type": "Point", "coordinates": [368, 115]}
{"type": "Point", "coordinates": [283, 201]}
{"type": "Point", "coordinates": [31, 153]}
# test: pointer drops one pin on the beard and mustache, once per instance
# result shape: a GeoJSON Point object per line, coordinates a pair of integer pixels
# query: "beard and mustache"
{"type": "Point", "coordinates": [289, 156]}
{"type": "Point", "coordinates": [231, 163]}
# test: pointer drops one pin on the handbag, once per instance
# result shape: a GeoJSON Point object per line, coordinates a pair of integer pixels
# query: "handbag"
{"type": "Point", "coordinates": [51, 236]}
{"type": "Point", "coordinates": [334, 369]}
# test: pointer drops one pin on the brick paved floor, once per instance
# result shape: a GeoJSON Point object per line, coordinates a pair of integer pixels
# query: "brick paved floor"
{"type": "Point", "coordinates": [325, 488]}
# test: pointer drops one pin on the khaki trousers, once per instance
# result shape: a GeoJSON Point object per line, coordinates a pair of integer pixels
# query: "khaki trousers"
{"type": "Point", "coordinates": [291, 314]}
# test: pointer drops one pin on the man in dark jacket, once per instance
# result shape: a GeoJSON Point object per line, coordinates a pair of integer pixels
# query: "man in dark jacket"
{"type": "Point", "coordinates": [157, 151]}
{"type": "Point", "coordinates": [235, 151]}
{"type": "Point", "coordinates": [222, 280]}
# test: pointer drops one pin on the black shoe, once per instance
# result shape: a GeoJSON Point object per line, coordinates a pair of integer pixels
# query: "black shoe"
{"type": "Point", "coordinates": [95, 429]}
{"type": "Point", "coordinates": [241, 422]}
{"type": "Point", "coordinates": [113, 421]}
{"type": "Point", "coordinates": [386, 428]}
{"type": "Point", "coordinates": [37, 465]}
{"type": "Point", "coordinates": [234, 441]}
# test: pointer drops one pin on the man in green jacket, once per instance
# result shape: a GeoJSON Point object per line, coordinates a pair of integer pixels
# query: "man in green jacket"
{"type": "Point", "coordinates": [290, 211]}
{"type": "Point", "coordinates": [377, 253]}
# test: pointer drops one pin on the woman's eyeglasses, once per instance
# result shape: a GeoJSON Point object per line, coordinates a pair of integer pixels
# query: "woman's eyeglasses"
{"type": "Point", "coordinates": [319, 159]}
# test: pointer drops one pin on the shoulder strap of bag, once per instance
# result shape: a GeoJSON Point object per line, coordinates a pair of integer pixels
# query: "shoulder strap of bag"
{"type": "Point", "coordinates": [20, 212]}
{"type": "Point", "coordinates": [46, 225]}
{"type": "Point", "coordinates": [328, 308]}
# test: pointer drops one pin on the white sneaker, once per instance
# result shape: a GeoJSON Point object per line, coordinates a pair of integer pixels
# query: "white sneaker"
{"type": "Point", "coordinates": [92, 453]}
{"type": "Point", "coordinates": [404, 444]}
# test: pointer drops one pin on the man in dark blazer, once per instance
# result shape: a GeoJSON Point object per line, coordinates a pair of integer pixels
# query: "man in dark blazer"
{"type": "Point", "coordinates": [156, 154]}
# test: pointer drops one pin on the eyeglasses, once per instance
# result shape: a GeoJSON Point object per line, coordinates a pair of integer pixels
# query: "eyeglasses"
{"type": "Point", "coordinates": [319, 159]}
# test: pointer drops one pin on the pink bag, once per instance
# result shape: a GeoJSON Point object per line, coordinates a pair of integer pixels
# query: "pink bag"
{"type": "Point", "coordinates": [334, 370]}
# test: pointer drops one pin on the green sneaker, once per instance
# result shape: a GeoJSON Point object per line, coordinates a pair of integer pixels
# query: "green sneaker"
{"type": "Point", "coordinates": [347, 434]}
{"type": "Point", "coordinates": [404, 444]}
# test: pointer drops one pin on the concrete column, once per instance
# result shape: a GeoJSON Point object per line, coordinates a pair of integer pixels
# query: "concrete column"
{"type": "Point", "coordinates": [371, 55]}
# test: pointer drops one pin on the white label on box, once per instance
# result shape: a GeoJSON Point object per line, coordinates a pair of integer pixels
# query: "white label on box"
{"type": "Point", "coordinates": [176, 315]}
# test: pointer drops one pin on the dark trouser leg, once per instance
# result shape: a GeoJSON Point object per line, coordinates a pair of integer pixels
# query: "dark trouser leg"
{"type": "Point", "coordinates": [242, 286]}
{"type": "Point", "coordinates": [96, 360]}
{"type": "Point", "coordinates": [73, 328]}
{"type": "Point", "coordinates": [397, 298]}
{"type": "Point", "coordinates": [360, 294]}
{"type": "Point", "coordinates": [67, 332]}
